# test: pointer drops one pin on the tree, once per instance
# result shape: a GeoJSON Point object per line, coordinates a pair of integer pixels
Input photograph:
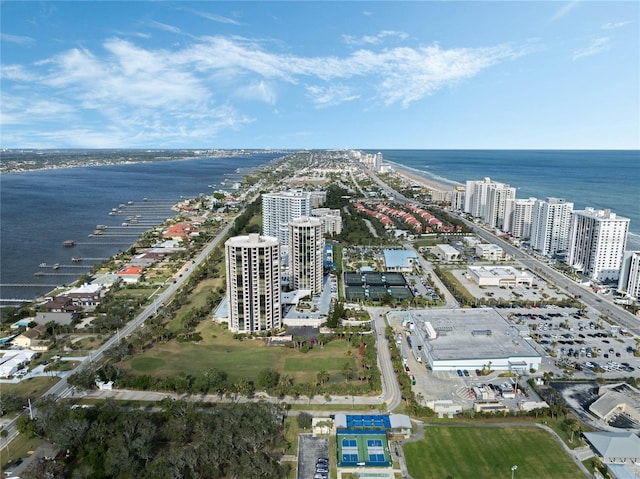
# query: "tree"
{"type": "Point", "coordinates": [322, 377]}
{"type": "Point", "coordinates": [304, 420]}
{"type": "Point", "coordinates": [268, 378]}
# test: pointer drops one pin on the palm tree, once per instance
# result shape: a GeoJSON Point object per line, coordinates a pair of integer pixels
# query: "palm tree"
{"type": "Point", "coordinates": [322, 377]}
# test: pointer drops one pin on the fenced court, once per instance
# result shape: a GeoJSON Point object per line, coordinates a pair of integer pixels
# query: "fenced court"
{"type": "Point", "coordinates": [363, 448]}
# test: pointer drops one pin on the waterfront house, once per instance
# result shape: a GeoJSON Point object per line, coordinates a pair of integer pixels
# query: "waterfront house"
{"type": "Point", "coordinates": [60, 304]}
{"type": "Point", "coordinates": [130, 274]}
{"type": "Point", "coordinates": [30, 339]}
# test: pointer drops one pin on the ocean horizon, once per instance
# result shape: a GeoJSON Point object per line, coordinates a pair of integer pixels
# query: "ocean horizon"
{"type": "Point", "coordinates": [42, 208]}
{"type": "Point", "coordinates": [601, 179]}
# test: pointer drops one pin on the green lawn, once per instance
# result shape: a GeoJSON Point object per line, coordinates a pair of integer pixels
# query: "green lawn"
{"type": "Point", "coordinates": [30, 388]}
{"type": "Point", "coordinates": [473, 452]}
{"type": "Point", "coordinates": [240, 359]}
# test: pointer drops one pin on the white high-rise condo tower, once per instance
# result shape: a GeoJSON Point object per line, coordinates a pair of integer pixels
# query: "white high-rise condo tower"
{"type": "Point", "coordinates": [596, 243]}
{"type": "Point", "coordinates": [306, 247]}
{"type": "Point", "coordinates": [550, 226]}
{"type": "Point", "coordinates": [278, 209]}
{"type": "Point", "coordinates": [253, 283]}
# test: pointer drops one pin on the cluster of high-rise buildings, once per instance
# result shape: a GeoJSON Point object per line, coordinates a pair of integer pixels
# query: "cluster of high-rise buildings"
{"type": "Point", "coordinates": [591, 241]}
{"type": "Point", "coordinates": [290, 250]}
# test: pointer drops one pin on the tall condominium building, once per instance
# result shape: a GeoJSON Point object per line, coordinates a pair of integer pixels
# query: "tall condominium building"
{"type": "Point", "coordinates": [629, 281]}
{"type": "Point", "coordinates": [306, 247]}
{"type": "Point", "coordinates": [518, 217]}
{"type": "Point", "coordinates": [550, 226]}
{"type": "Point", "coordinates": [495, 208]}
{"type": "Point", "coordinates": [253, 283]}
{"type": "Point", "coordinates": [457, 198]}
{"type": "Point", "coordinates": [597, 241]}
{"type": "Point", "coordinates": [278, 209]}
{"type": "Point", "coordinates": [475, 198]}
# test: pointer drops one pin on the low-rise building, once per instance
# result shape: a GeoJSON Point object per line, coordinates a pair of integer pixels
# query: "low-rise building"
{"type": "Point", "coordinates": [490, 252]}
{"type": "Point", "coordinates": [445, 252]}
{"type": "Point", "coordinates": [499, 276]}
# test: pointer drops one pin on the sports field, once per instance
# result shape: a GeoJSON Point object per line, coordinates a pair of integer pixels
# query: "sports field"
{"type": "Point", "coordinates": [473, 452]}
{"type": "Point", "coordinates": [370, 448]}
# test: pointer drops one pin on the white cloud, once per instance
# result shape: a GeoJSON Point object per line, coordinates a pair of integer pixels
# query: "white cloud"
{"type": "Point", "coordinates": [19, 39]}
{"type": "Point", "coordinates": [15, 73]}
{"type": "Point", "coordinates": [613, 26]}
{"type": "Point", "coordinates": [331, 95]}
{"type": "Point", "coordinates": [139, 95]}
{"type": "Point", "coordinates": [216, 18]}
{"type": "Point", "coordinates": [563, 11]}
{"type": "Point", "coordinates": [165, 27]}
{"type": "Point", "coordinates": [373, 39]}
{"type": "Point", "coordinates": [259, 91]}
{"type": "Point", "coordinates": [597, 45]}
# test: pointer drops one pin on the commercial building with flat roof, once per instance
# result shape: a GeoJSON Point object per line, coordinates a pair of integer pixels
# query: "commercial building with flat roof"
{"type": "Point", "coordinates": [450, 339]}
{"type": "Point", "coordinates": [499, 276]}
{"type": "Point", "coordinates": [400, 260]}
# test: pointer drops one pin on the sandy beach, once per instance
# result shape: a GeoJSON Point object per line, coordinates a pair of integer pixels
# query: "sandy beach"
{"type": "Point", "coordinates": [419, 179]}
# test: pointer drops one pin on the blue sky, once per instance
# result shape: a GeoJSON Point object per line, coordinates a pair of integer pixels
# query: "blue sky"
{"type": "Point", "coordinates": [541, 74]}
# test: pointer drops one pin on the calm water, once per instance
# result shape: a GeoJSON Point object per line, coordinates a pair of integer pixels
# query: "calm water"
{"type": "Point", "coordinates": [600, 179]}
{"type": "Point", "coordinates": [41, 209]}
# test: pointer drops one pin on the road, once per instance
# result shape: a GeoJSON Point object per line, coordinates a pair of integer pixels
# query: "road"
{"type": "Point", "coordinates": [62, 389]}
{"type": "Point", "coordinates": [585, 295]}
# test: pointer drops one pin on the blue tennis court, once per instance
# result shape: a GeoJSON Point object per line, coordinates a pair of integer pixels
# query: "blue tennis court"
{"type": "Point", "coordinates": [358, 448]}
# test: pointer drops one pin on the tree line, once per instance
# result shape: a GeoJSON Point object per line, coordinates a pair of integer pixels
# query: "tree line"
{"type": "Point", "coordinates": [181, 440]}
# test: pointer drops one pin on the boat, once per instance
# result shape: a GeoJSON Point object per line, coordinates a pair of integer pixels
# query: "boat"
{"type": "Point", "coordinates": [56, 266]}
{"type": "Point", "coordinates": [43, 265]}
{"type": "Point", "coordinates": [68, 243]}
{"type": "Point", "coordinates": [76, 259]}
{"type": "Point", "coordinates": [125, 224]}
{"type": "Point", "coordinates": [101, 227]}
{"type": "Point", "coordinates": [112, 213]}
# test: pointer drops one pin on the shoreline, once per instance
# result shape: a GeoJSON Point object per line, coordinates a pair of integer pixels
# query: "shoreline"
{"type": "Point", "coordinates": [419, 177]}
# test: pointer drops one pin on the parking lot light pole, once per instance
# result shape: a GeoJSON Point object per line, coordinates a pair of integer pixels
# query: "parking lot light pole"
{"type": "Point", "coordinates": [513, 470]}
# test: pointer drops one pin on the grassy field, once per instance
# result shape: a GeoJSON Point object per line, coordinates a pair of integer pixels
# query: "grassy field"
{"type": "Point", "coordinates": [30, 388]}
{"type": "Point", "coordinates": [240, 359]}
{"type": "Point", "coordinates": [20, 447]}
{"type": "Point", "coordinates": [473, 452]}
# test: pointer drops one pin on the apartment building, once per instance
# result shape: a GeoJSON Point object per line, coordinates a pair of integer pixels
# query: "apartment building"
{"type": "Point", "coordinates": [306, 247]}
{"type": "Point", "coordinates": [253, 283]}
{"type": "Point", "coordinates": [596, 243]}
{"type": "Point", "coordinates": [550, 225]}
{"type": "Point", "coordinates": [278, 209]}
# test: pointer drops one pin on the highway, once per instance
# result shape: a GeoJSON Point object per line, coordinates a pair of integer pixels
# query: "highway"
{"type": "Point", "coordinates": [62, 389]}
{"type": "Point", "coordinates": [585, 294]}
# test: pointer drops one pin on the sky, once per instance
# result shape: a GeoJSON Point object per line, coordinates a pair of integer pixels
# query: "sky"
{"type": "Point", "coordinates": [344, 74]}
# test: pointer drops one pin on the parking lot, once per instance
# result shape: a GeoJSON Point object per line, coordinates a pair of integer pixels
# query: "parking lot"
{"type": "Point", "coordinates": [573, 343]}
{"type": "Point", "coordinates": [310, 449]}
{"type": "Point", "coordinates": [581, 343]}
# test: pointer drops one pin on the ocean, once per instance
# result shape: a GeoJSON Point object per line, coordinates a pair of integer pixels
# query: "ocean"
{"type": "Point", "coordinates": [602, 179]}
{"type": "Point", "coordinates": [41, 209]}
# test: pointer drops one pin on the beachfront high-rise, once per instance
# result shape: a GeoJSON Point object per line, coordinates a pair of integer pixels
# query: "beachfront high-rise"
{"type": "Point", "coordinates": [486, 199]}
{"type": "Point", "coordinates": [550, 226]}
{"type": "Point", "coordinates": [518, 217]}
{"type": "Point", "coordinates": [597, 241]}
{"type": "Point", "coordinates": [306, 247]}
{"type": "Point", "coordinates": [629, 282]}
{"type": "Point", "coordinates": [476, 197]}
{"type": "Point", "coordinates": [496, 205]}
{"type": "Point", "coordinates": [253, 283]}
{"type": "Point", "coordinates": [278, 209]}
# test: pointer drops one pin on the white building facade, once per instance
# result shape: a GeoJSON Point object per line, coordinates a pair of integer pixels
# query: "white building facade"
{"type": "Point", "coordinates": [629, 281]}
{"type": "Point", "coordinates": [550, 226]}
{"type": "Point", "coordinates": [306, 248]}
{"type": "Point", "coordinates": [518, 217]}
{"type": "Point", "coordinates": [278, 209]}
{"type": "Point", "coordinates": [253, 283]}
{"type": "Point", "coordinates": [597, 243]}
{"type": "Point", "coordinates": [496, 204]}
